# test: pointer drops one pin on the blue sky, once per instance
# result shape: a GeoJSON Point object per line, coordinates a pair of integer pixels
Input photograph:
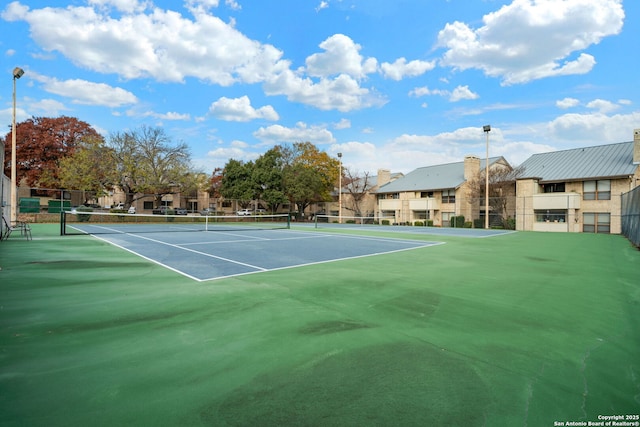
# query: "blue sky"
{"type": "Point", "coordinates": [395, 84]}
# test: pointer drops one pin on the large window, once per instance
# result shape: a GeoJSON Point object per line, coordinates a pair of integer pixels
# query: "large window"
{"type": "Point", "coordinates": [597, 223]}
{"type": "Point", "coordinates": [597, 190]}
{"type": "Point", "coordinates": [551, 215]}
{"type": "Point", "coordinates": [448, 196]}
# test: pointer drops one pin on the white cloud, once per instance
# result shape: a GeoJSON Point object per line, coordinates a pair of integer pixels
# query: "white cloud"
{"type": "Point", "coordinates": [567, 103]}
{"type": "Point", "coordinates": [48, 107]}
{"type": "Point", "coordinates": [161, 44]}
{"type": "Point", "coordinates": [401, 68]}
{"type": "Point", "coordinates": [85, 92]}
{"type": "Point", "coordinates": [240, 110]}
{"type": "Point", "coordinates": [602, 105]}
{"type": "Point", "coordinates": [342, 124]}
{"type": "Point", "coordinates": [323, 5]}
{"type": "Point", "coordinates": [458, 94]}
{"type": "Point", "coordinates": [532, 39]}
{"type": "Point", "coordinates": [343, 93]}
{"type": "Point", "coordinates": [462, 92]}
{"type": "Point", "coordinates": [590, 129]}
{"type": "Point", "coordinates": [341, 56]}
{"type": "Point", "coordinates": [127, 6]}
{"type": "Point", "coordinates": [300, 133]}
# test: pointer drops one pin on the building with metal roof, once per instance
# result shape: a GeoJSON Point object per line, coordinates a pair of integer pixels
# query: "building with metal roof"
{"type": "Point", "coordinates": [435, 193]}
{"type": "Point", "coordinates": [577, 190]}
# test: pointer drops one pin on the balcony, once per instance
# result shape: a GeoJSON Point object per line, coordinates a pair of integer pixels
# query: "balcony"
{"type": "Point", "coordinates": [556, 201]}
{"type": "Point", "coordinates": [389, 204]}
{"type": "Point", "coordinates": [422, 204]}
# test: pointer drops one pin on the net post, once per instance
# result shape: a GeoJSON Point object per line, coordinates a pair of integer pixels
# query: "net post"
{"type": "Point", "coordinates": [315, 220]}
{"type": "Point", "coordinates": [206, 223]}
{"type": "Point", "coordinates": [289, 221]}
{"type": "Point", "coordinates": [63, 220]}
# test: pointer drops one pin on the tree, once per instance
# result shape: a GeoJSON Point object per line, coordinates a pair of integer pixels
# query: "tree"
{"type": "Point", "coordinates": [41, 142]}
{"type": "Point", "coordinates": [502, 190]}
{"type": "Point", "coordinates": [90, 168]}
{"type": "Point", "coordinates": [268, 178]}
{"type": "Point", "coordinates": [358, 186]}
{"type": "Point", "coordinates": [237, 182]}
{"type": "Point", "coordinates": [309, 174]}
{"type": "Point", "coordinates": [148, 162]}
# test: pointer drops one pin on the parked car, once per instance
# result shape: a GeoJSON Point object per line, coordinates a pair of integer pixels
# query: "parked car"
{"type": "Point", "coordinates": [180, 211]}
{"type": "Point", "coordinates": [132, 210]}
{"type": "Point", "coordinates": [207, 212]}
{"type": "Point", "coordinates": [244, 212]}
{"type": "Point", "coordinates": [162, 210]}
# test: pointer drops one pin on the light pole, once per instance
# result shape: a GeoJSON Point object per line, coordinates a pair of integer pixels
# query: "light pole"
{"type": "Point", "coordinates": [340, 191]}
{"type": "Point", "coordinates": [486, 130]}
{"type": "Point", "coordinates": [17, 73]}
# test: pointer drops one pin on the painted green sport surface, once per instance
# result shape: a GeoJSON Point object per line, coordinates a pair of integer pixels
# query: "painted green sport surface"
{"type": "Point", "coordinates": [523, 329]}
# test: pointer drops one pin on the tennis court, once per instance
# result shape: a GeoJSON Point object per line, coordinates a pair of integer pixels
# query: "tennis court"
{"type": "Point", "coordinates": [526, 329]}
{"type": "Point", "coordinates": [233, 251]}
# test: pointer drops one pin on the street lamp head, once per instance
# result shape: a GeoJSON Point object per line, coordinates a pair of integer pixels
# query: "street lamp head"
{"type": "Point", "coordinates": [339, 155]}
{"type": "Point", "coordinates": [17, 72]}
{"type": "Point", "coordinates": [486, 128]}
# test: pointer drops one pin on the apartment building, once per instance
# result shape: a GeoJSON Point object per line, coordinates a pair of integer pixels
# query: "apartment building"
{"type": "Point", "coordinates": [435, 193]}
{"type": "Point", "coordinates": [577, 190]}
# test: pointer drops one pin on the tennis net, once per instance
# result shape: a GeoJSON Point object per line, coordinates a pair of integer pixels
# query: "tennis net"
{"type": "Point", "coordinates": [321, 220]}
{"type": "Point", "coordinates": [72, 222]}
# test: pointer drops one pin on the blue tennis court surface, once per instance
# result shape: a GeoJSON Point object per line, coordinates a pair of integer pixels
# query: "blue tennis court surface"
{"type": "Point", "coordinates": [218, 254]}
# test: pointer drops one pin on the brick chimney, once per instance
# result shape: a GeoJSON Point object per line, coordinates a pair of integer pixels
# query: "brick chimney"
{"type": "Point", "coordinates": [471, 167]}
{"type": "Point", "coordinates": [384, 176]}
{"type": "Point", "coordinates": [636, 146]}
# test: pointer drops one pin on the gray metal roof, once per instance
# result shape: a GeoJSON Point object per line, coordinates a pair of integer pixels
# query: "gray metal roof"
{"type": "Point", "coordinates": [428, 178]}
{"type": "Point", "coordinates": [603, 161]}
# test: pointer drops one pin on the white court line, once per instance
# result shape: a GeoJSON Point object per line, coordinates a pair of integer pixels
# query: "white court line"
{"type": "Point", "coordinates": [419, 244]}
{"type": "Point", "coordinates": [178, 247]}
{"type": "Point", "coordinates": [322, 262]}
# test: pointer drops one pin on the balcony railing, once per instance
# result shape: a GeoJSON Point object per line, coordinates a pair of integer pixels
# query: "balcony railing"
{"type": "Point", "coordinates": [556, 201]}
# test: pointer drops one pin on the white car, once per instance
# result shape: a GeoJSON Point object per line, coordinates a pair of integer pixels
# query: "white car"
{"type": "Point", "coordinates": [244, 212]}
{"type": "Point", "coordinates": [132, 210]}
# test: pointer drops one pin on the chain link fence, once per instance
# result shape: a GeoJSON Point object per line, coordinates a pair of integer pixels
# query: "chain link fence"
{"type": "Point", "coordinates": [631, 216]}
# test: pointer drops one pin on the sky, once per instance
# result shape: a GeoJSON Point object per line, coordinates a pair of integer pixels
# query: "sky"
{"type": "Point", "coordinates": [390, 84]}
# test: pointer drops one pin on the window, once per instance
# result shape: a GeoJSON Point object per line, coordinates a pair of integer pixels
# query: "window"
{"type": "Point", "coordinates": [448, 196]}
{"type": "Point", "coordinates": [395, 196]}
{"type": "Point", "coordinates": [597, 223]}
{"type": "Point", "coordinates": [555, 187]}
{"type": "Point", "coordinates": [147, 205]}
{"type": "Point", "coordinates": [426, 194]}
{"type": "Point", "coordinates": [551, 215]}
{"type": "Point", "coordinates": [597, 190]}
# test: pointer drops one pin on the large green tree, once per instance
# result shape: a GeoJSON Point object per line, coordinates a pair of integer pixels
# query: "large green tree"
{"type": "Point", "coordinates": [41, 143]}
{"type": "Point", "coordinates": [91, 168]}
{"type": "Point", "coordinates": [310, 175]}
{"type": "Point", "coordinates": [267, 177]}
{"type": "Point", "coordinates": [237, 183]}
{"type": "Point", "coordinates": [147, 162]}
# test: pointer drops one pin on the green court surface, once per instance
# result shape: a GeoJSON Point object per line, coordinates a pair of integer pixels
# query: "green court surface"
{"type": "Point", "coordinates": [523, 329]}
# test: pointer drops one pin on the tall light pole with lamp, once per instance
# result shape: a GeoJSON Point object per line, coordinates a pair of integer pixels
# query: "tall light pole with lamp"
{"type": "Point", "coordinates": [340, 191]}
{"type": "Point", "coordinates": [17, 73]}
{"type": "Point", "coordinates": [486, 130]}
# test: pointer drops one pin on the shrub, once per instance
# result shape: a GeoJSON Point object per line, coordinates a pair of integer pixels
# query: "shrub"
{"type": "Point", "coordinates": [478, 223]}
{"type": "Point", "coordinates": [385, 222]}
{"type": "Point", "coordinates": [468, 224]}
{"type": "Point", "coordinates": [83, 218]}
{"type": "Point", "coordinates": [510, 223]}
{"type": "Point", "coordinates": [457, 221]}
{"type": "Point", "coordinates": [429, 223]}
{"type": "Point", "coordinates": [419, 224]}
